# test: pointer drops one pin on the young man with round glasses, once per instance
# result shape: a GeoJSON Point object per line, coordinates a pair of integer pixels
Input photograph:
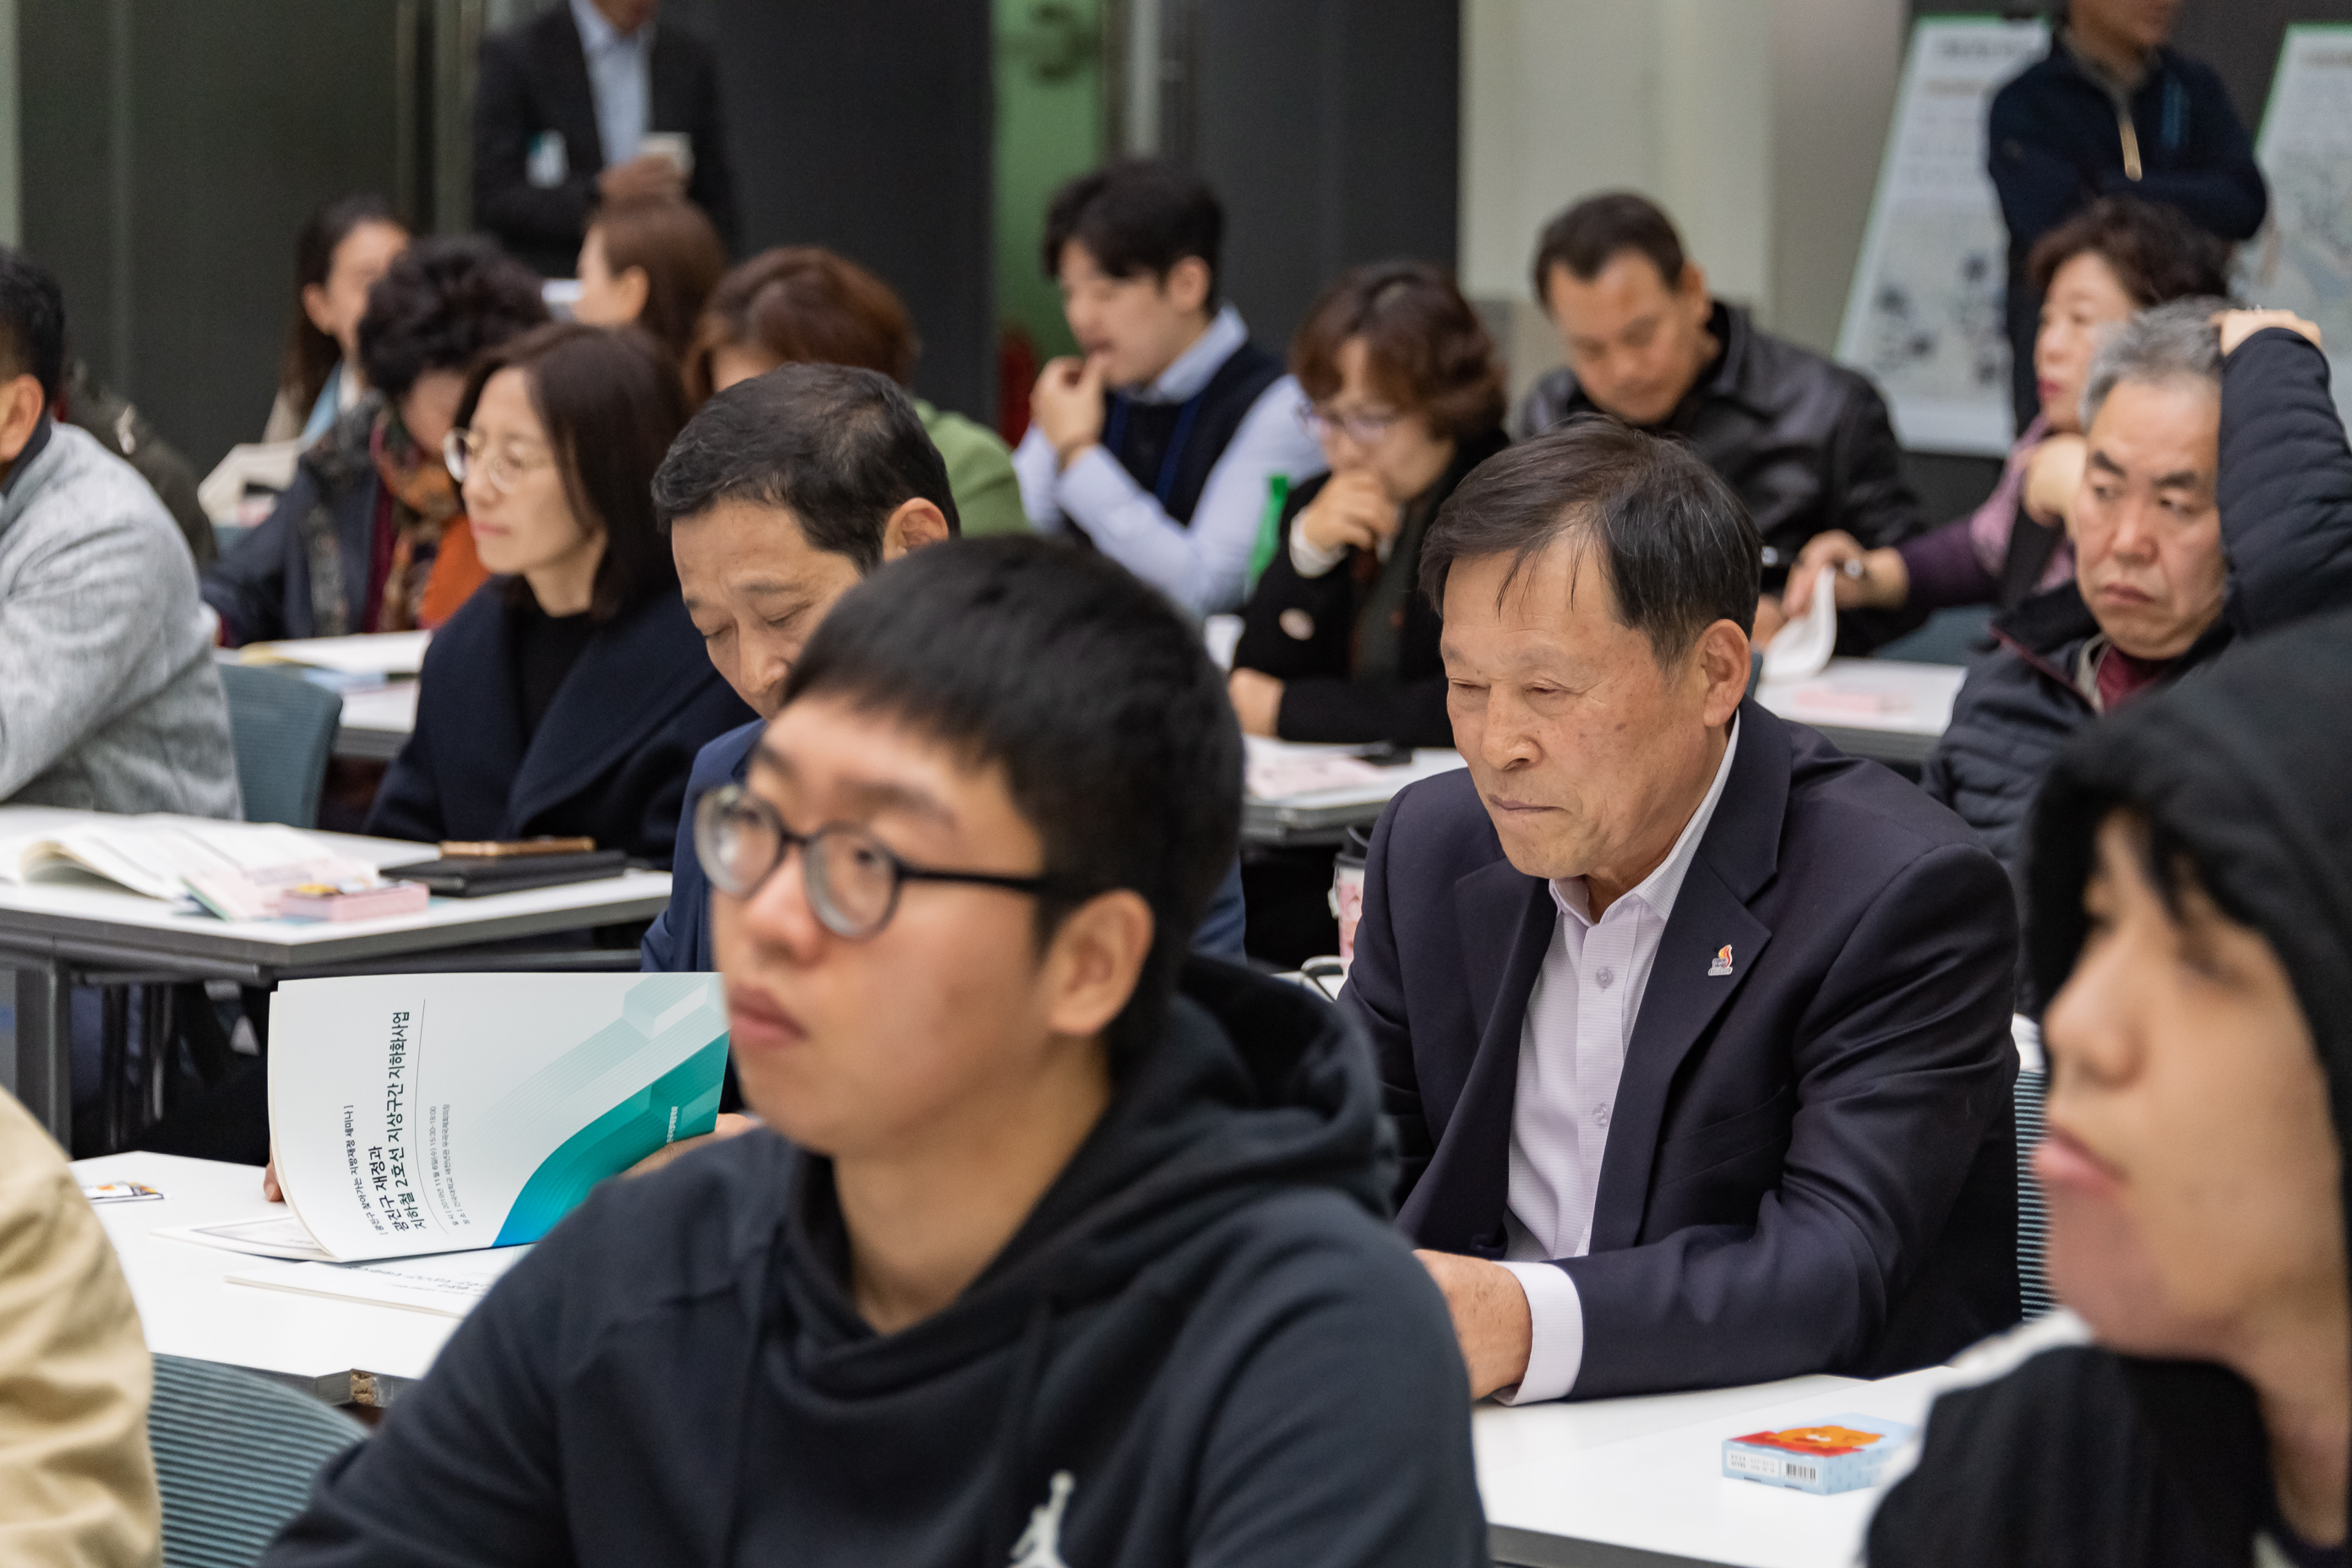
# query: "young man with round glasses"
{"type": "Point", "coordinates": [780, 495]}
{"type": "Point", "coordinates": [1069, 1252]}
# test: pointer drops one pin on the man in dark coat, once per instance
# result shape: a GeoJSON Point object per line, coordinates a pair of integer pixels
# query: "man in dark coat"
{"type": "Point", "coordinates": [562, 111]}
{"type": "Point", "coordinates": [1695, 1031]}
{"type": "Point", "coordinates": [1805, 444]}
{"type": "Point", "coordinates": [2111, 110]}
{"type": "Point", "coordinates": [2213, 506]}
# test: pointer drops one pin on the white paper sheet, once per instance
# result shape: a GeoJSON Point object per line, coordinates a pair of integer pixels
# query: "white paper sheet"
{"type": "Point", "coordinates": [1802, 648]}
{"type": "Point", "coordinates": [276, 1235]}
{"type": "Point", "coordinates": [382, 653]}
{"type": "Point", "coordinates": [449, 1283]}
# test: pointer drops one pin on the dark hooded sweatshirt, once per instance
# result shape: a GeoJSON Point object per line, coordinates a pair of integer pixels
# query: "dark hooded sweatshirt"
{"type": "Point", "coordinates": [2081, 1456]}
{"type": "Point", "coordinates": [1204, 1346]}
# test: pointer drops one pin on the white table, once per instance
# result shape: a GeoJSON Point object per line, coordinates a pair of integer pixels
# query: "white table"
{"type": "Point", "coordinates": [377, 723]}
{"type": "Point", "coordinates": [1879, 707]}
{"type": "Point", "coordinates": [341, 1351]}
{"type": "Point", "coordinates": [1609, 1483]}
{"type": "Point", "coordinates": [1640, 1482]}
{"type": "Point", "coordinates": [51, 932]}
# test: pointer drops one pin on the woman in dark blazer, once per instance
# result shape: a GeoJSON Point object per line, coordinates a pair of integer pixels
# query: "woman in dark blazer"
{"type": "Point", "coordinates": [1337, 643]}
{"type": "Point", "coordinates": [571, 693]}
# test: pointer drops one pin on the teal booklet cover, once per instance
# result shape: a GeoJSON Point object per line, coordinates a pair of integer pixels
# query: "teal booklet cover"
{"type": "Point", "coordinates": [418, 1113]}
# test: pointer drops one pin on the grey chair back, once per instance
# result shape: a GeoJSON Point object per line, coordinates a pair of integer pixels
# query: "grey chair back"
{"type": "Point", "coordinates": [235, 1455]}
{"type": "Point", "coordinates": [284, 728]}
{"type": "Point", "coordinates": [2033, 1216]}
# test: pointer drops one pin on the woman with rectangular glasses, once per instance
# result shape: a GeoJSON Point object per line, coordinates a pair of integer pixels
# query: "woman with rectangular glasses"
{"type": "Point", "coordinates": [570, 695]}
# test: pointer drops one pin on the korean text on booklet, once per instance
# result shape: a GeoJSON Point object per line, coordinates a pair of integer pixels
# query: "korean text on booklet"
{"type": "Point", "coordinates": [1842, 1454]}
{"type": "Point", "coordinates": [416, 1113]}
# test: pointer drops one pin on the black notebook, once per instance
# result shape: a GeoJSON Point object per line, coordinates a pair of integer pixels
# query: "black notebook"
{"type": "Point", "coordinates": [472, 875]}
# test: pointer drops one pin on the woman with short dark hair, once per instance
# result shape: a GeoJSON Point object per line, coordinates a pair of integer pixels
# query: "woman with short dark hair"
{"type": "Point", "coordinates": [570, 697]}
{"type": "Point", "coordinates": [371, 536]}
{"type": "Point", "coordinates": [800, 304]}
{"type": "Point", "coordinates": [1407, 399]}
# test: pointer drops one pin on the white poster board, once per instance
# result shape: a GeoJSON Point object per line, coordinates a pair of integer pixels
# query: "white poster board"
{"type": "Point", "coordinates": [1924, 319]}
{"type": "Point", "coordinates": [2302, 260]}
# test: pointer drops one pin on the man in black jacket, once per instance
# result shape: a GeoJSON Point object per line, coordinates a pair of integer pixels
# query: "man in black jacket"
{"type": "Point", "coordinates": [1805, 444]}
{"type": "Point", "coordinates": [2111, 111]}
{"type": "Point", "coordinates": [1695, 1032]}
{"type": "Point", "coordinates": [561, 112]}
{"type": "Point", "coordinates": [1067, 1261]}
{"type": "Point", "coordinates": [2210, 509]}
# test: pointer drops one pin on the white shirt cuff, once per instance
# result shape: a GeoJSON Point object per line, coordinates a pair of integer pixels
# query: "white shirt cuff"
{"type": "Point", "coordinates": [1556, 1348]}
{"type": "Point", "coordinates": [1309, 560]}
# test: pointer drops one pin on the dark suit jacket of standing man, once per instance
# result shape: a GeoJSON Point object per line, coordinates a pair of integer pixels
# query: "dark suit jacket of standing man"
{"type": "Point", "coordinates": [1811, 1165]}
{"type": "Point", "coordinates": [534, 77]}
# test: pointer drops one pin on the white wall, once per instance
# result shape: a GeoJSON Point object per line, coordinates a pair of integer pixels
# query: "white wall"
{"type": "Point", "coordinates": [1757, 123]}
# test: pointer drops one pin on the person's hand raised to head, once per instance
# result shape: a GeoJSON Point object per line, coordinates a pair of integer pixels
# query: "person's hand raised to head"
{"type": "Point", "coordinates": [1353, 510]}
{"type": "Point", "coordinates": [1860, 579]}
{"type": "Point", "coordinates": [2237, 326]}
{"type": "Point", "coordinates": [1067, 405]}
{"type": "Point", "coordinates": [644, 175]}
{"type": "Point", "coordinates": [2053, 475]}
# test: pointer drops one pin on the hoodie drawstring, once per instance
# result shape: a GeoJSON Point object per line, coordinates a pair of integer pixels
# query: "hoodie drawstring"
{"type": "Point", "coordinates": [1010, 1514]}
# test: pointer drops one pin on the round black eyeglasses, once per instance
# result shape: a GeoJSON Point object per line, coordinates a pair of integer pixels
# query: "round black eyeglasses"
{"type": "Point", "coordinates": [853, 878]}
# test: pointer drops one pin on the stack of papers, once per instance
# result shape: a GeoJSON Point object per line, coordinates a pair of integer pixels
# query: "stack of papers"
{"type": "Point", "coordinates": [1292, 788]}
{"type": "Point", "coordinates": [346, 664]}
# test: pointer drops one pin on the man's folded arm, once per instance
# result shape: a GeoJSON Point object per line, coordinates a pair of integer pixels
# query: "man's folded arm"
{"type": "Point", "coordinates": [1902, 1066]}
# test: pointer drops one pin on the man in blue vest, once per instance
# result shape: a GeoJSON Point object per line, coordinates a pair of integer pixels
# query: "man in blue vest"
{"type": "Point", "coordinates": [1160, 443]}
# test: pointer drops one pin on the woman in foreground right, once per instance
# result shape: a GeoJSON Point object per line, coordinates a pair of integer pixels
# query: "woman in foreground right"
{"type": "Point", "coordinates": [2191, 888]}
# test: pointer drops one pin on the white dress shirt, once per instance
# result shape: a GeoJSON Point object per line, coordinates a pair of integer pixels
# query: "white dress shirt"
{"type": "Point", "coordinates": [620, 67]}
{"type": "Point", "coordinates": [1581, 1016]}
{"type": "Point", "coordinates": [1204, 567]}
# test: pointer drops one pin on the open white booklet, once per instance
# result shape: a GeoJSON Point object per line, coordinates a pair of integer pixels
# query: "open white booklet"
{"type": "Point", "coordinates": [429, 1113]}
{"type": "Point", "coordinates": [226, 864]}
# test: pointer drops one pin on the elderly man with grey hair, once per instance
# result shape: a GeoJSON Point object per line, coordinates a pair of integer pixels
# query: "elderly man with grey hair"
{"type": "Point", "coordinates": [2216, 503]}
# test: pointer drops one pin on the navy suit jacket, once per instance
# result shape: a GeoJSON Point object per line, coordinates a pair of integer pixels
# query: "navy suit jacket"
{"type": "Point", "coordinates": [1811, 1166]}
{"type": "Point", "coordinates": [609, 760]}
{"type": "Point", "coordinates": [678, 942]}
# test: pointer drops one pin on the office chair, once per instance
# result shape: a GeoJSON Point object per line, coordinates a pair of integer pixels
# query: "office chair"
{"type": "Point", "coordinates": [283, 727]}
{"type": "Point", "coordinates": [235, 1455]}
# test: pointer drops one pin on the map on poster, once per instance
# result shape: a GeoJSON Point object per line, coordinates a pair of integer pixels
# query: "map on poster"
{"type": "Point", "coordinates": [2302, 260]}
{"type": "Point", "coordinates": [1923, 318]}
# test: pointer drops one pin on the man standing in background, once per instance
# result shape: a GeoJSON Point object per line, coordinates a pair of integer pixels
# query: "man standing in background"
{"type": "Point", "coordinates": [594, 102]}
{"type": "Point", "coordinates": [2111, 110]}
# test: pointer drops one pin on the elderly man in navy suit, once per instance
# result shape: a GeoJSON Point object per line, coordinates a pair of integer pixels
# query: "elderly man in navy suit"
{"type": "Point", "coordinates": [1694, 1030]}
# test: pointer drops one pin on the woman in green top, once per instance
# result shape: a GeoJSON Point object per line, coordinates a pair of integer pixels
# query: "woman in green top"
{"type": "Point", "coordinates": [804, 304]}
